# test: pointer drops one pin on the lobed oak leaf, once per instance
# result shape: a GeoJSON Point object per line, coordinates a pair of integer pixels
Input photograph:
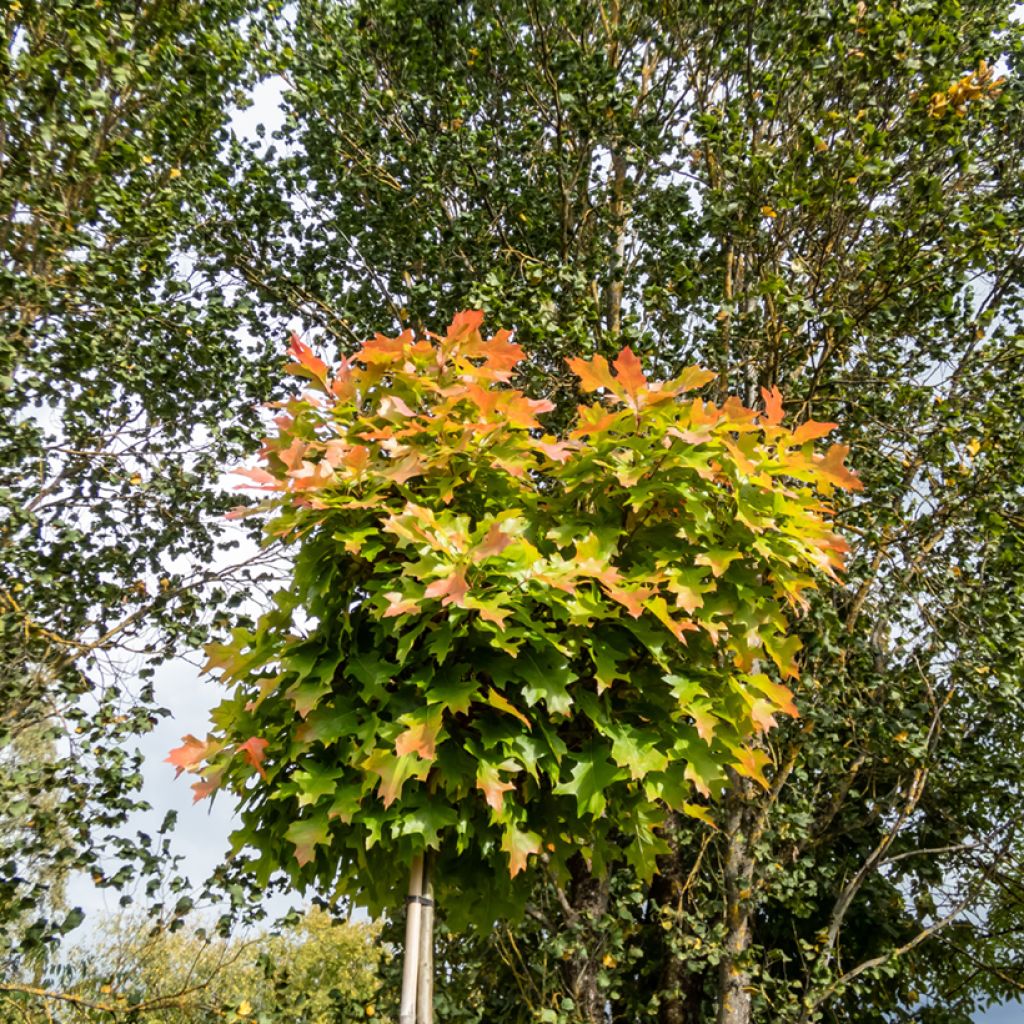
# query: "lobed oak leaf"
{"type": "Point", "coordinates": [464, 323]}
{"type": "Point", "coordinates": [306, 364]}
{"type": "Point", "coordinates": [594, 374]}
{"type": "Point", "coordinates": [718, 559]}
{"type": "Point", "coordinates": [254, 749]}
{"type": "Point", "coordinates": [497, 700]}
{"type": "Point", "coordinates": [519, 845]}
{"type": "Point", "coordinates": [382, 350]}
{"type": "Point", "coordinates": [311, 475]}
{"type": "Point", "coordinates": [394, 772]}
{"type": "Point", "coordinates": [399, 605]}
{"type": "Point", "coordinates": [491, 784]}
{"type": "Point", "coordinates": [205, 787]}
{"type": "Point", "coordinates": [772, 406]}
{"type": "Point", "coordinates": [811, 430]}
{"type": "Point", "coordinates": [762, 715]}
{"type": "Point", "coordinates": [308, 834]}
{"type": "Point", "coordinates": [630, 374]}
{"type": "Point", "coordinates": [452, 589]}
{"type": "Point", "coordinates": [421, 736]}
{"type": "Point", "coordinates": [830, 465]}
{"type": "Point", "coordinates": [189, 754]}
{"type": "Point", "coordinates": [266, 481]}
{"type": "Point", "coordinates": [750, 764]}
{"type": "Point", "coordinates": [292, 455]}
{"type": "Point", "coordinates": [492, 544]}
{"type": "Point", "coordinates": [704, 720]}
{"type": "Point", "coordinates": [693, 377]}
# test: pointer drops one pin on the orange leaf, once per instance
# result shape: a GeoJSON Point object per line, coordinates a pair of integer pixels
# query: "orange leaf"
{"type": "Point", "coordinates": [630, 373]}
{"type": "Point", "coordinates": [421, 737]}
{"type": "Point", "coordinates": [464, 323]}
{"type": "Point", "coordinates": [830, 465]}
{"type": "Point", "coordinates": [494, 789]}
{"type": "Point", "coordinates": [811, 430]}
{"type": "Point", "coordinates": [306, 360]}
{"type": "Point", "coordinates": [190, 753]}
{"type": "Point", "coordinates": [266, 480]}
{"type": "Point", "coordinates": [772, 406]}
{"type": "Point", "coordinates": [452, 589]}
{"type": "Point", "coordinates": [593, 375]}
{"type": "Point", "coordinates": [254, 750]}
{"type": "Point", "coordinates": [205, 787]}
{"type": "Point", "coordinates": [493, 544]}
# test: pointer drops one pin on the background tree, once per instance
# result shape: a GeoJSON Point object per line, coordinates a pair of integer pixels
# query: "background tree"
{"type": "Point", "coordinates": [822, 197]}
{"type": "Point", "coordinates": [112, 122]}
{"type": "Point", "coordinates": [313, 971]}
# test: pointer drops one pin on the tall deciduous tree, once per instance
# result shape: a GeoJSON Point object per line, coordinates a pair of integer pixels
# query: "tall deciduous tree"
{"type": "Point", "coordinates": [826, 198]}
{"type": "Point", "coordinates": [124, 388]}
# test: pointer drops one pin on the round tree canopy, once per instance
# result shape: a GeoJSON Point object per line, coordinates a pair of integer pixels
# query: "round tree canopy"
{"type": "Point", "coordinates": [503, 645]}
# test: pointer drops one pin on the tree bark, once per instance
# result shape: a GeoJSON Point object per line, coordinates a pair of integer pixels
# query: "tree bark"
{"type": "Point", "coordinates": [738, 871]}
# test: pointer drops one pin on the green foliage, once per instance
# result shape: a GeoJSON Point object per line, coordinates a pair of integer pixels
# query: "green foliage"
{"type": "Point", "coordinates": [113, 342]}
{"type": "Point", "coordinates": [500, 643]}
{"type": "Point", "coordinates": [313, 970]}
{"type": "Point", "coordinates": [776, 192]}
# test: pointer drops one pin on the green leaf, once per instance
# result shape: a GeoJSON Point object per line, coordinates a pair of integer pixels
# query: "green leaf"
{"type": "Point", "coordinates": [591, 775]}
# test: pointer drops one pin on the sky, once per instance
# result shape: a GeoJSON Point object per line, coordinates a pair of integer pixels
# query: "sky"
{"type": "Point", "coordinates": [201, 835]}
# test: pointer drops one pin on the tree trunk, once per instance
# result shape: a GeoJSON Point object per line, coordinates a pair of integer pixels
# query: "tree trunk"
{"type": "Point", "coordinates": [411, 952]}
{"type": "Point", "coordinates": [425, 975]}
{"type": "Point", "coordinates": [733, 978]}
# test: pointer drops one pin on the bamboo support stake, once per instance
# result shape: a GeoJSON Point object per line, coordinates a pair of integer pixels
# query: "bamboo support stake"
{"type": "Point", "coordinates": [425, 978]}
{"type": "Point", "coordinates": [413, 920]}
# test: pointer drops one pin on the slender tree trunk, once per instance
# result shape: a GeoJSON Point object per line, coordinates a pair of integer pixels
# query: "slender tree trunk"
{"type": "Point", "coordinates": [411, 952]}
{"type": "Point", "coordinates": [733, 978]}
{"type": "Point", "coordinates": [425, 977]}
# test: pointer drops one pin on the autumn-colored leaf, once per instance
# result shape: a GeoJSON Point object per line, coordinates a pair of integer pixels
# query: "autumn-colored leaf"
{"type": "Point", "coordinates": [452, 588]}
{"type": "Point", "coordinates": [205, 787]}
{"type": "Point", "coordinates": [593, 374]}
{"type": "Point", "coordinates": [421, 736]}
{"type": "Point", "coordinates": [308, 834]}
{"type": "Point", "coordinates": [399, 605]}
{"type": "Point", "coordinates": [772, 406]}
{"type": "Point", "coordinates": [519, 845]}
{"type": "Point", "coordinates": [189, 754]}
{"type": "Point", "coordinates": [811, 430]}
{"type": "Point", "coordinates": [629, 371]}
{"type": "Point", "coordinates": [718, 559]}
{"type": "Point", "coordinates": [497, 700]}
{"type": "Point", "coordinates": [254, 749]}
{"type": "Point", "coordinates": [491, 784]}
{"type": "Point", "coordinates": [306, 364]}
{"type": "Point", "coordinates": [492, 544]}
{"type": "Point", "coordinates": [831, 466]}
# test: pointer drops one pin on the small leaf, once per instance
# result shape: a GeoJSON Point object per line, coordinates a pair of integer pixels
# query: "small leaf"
{"type": "Point", "coordinates": [307, 835]}
{"type": "Point", "coordinates": [519, 845]}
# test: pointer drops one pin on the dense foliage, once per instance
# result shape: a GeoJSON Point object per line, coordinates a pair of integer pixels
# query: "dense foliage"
{"type": "Point", "coordinates": [313, 970]}
{"type": "Point", "coordinates": [822, 197]}
{"type": "Point", "coordinates": [497, 642]}
{"type": "Point", "coordinates": [116, 349]}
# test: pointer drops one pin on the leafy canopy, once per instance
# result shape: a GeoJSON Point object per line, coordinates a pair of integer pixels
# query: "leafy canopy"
{"type": "Point", "coordinates": [500, 643]}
